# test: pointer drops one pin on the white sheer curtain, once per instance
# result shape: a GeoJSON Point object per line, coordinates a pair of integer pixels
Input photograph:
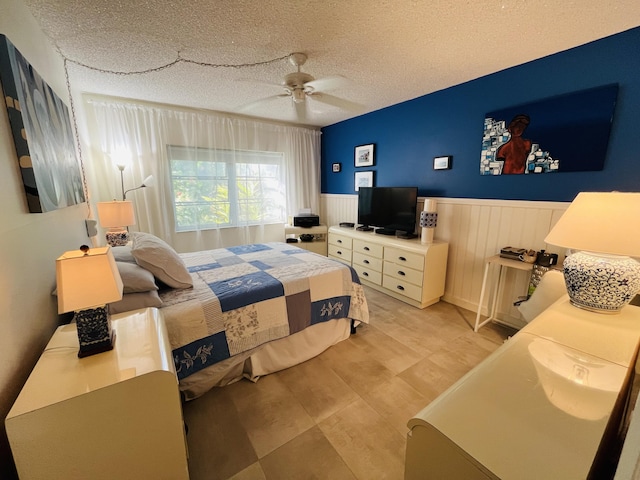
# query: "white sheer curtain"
{"type": "Point", "coordinates": [140, 133]}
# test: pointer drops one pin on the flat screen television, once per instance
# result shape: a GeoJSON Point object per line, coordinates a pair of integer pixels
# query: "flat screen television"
{"type": "Point", "coordinates": [391, 209]}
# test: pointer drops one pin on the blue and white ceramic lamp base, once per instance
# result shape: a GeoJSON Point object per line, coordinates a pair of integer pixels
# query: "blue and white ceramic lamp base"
{"type": "Point", "coordinates": [117, 238]}
{"type": "Point", "coordinates": [599, 282]}
{"type": "Point", "coordinates": [94, 331]}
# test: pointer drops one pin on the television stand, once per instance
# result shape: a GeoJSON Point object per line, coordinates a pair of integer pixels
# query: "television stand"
{"type": "Point", "coordinates": [385, 231]}
{"type": "Point", "coordinates": [404, 269]}
{"type": "Point", "coordinates": [364, 228]}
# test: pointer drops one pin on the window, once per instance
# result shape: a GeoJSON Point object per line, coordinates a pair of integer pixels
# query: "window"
{"type": "Point", "coordinates": [226, 188]}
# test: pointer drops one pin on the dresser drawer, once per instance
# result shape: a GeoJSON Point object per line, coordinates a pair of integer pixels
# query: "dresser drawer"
{"type": "Point", "coordinates": [404, 273]}
{"type": "Point", "coordinates": [340, 240]}
{"type": "Point", "coordinates": [367, 261]}
{"type": "Point", "coordinates": [402, 287]}
{"type": "Point", "coordinates": [401, 257]}
{"type": "Point", "coordinates": [372, 249]}
{"type": "Point", "coordinates": [342, 253]}
{"type": "Point", "coordinates": [368, 274]}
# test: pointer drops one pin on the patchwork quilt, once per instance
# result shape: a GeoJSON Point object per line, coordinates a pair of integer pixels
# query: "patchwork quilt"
{"type": "Point", "coordinates": [246, 296]}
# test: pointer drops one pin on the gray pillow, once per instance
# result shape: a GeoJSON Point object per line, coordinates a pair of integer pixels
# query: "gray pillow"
{"type": "Point", "coordinates": [135, 278]}
{"type": "Point", "coordinates": [157, 256]}
{"type": "Point", "coordinates": [123, 254]}
{"type": "Point", "coordinates": [134, 301]}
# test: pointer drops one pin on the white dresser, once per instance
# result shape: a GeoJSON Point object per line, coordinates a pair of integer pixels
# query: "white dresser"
{"type": "Point", "coordinates": [404, 269]}
{"type": "Point", "coordinates": [113, 415]}
{"type": "Point", "coordinates": [542, 406]}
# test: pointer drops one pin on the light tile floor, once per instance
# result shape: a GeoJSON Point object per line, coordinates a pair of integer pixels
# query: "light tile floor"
{"type": "Point", "coordinates": [343, 414]}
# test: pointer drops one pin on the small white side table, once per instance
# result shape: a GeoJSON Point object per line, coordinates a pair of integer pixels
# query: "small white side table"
{"type": "Point", "coordinates": [113, 415]}
{"type": "Point", "coordinates": [502, 263]}
{"type": "Point", "coordinates": [319, 232]}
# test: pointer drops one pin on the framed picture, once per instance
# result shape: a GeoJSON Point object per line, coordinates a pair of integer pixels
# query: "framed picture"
{"type": "Point", "coordinates": [364, 179]}
{"type": "Point", "coordinates": [565, 133]}
{"type": "Point", "coordinates": [442, 163]}
{"type": "Point", "coordinates": [336, 167]}
{"type": "Point", "coordinates": [42, 135]}
{"type": "Point", "coordinates": [364, 155]}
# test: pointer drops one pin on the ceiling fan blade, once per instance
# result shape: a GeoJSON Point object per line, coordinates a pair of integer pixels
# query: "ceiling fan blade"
{"type": "Point", "coordinates": [260, 102]}
{"type": "Point", "coordinates": [301, 110]}
{"type": "Point", "coordinates": [327, 83]}
{"type": "Point", "coordinates": [338, 102]}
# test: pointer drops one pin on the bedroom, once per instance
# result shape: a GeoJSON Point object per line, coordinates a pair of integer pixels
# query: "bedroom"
{"type": "Point", "coordinates": [27, 309]}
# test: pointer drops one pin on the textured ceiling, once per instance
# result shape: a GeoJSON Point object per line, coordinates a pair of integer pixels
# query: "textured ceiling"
{"type": "Point", "coordinates": [390, 51]}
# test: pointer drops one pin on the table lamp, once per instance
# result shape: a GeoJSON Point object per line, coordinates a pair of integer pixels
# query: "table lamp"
{"type": "Point", "coordinates": [88, 279]}
{"type": "Point", "coordinates": [116, 216]}
{"type": "Point", "coordinates": [605, 229]}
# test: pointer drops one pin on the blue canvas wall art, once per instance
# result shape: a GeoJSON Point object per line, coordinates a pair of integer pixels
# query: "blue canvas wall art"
{"type": "Point", "coordinates": [568, 133]}
{"type": "Point", "coordinates": [42, 135]}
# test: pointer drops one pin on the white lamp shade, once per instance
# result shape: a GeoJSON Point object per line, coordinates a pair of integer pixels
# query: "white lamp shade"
{"type": "Point", "coordinates": [149, 181]}
{"type": "Point", "coordinates": [87, 280]}
{"type": "Point", "coordinates": [116, 214]}
{"type": "Point", "coordinates": [602, 222]}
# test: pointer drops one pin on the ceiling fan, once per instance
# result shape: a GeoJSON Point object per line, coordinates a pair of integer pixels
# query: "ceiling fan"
{"type": "Point", "coordinates": [300, 85]}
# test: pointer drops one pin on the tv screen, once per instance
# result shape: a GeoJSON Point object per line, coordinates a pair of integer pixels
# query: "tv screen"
{"type": "Point", "coordinates": [388, 208]}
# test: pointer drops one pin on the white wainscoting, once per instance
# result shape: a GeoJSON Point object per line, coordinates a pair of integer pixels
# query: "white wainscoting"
{"type": "Point", "coordinates": [475, 229]}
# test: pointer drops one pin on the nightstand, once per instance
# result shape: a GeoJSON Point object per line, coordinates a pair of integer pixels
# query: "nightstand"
{"type": "Point", "coordinates": [317, 245]}
{"type": "Point", "coordinates": [112, 415]}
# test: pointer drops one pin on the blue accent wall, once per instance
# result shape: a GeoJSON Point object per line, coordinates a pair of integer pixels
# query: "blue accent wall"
{"type": "Point", "coordinates": [407, 136]}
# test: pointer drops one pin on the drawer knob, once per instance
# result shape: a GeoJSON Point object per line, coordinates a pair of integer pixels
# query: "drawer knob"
{"type": "Point", "coordinates": [400, 287]}
{"type": "Point", "coordinates": [339, 252]}
{"type": "Point", "coordinates": [402, 259]}
{"type": "Point", "coordinates": [366, 262]}
{"type": "Point", "coordinates": [366, 249]}
{"type": "Point", "coordinates": [400, 272]}
{"type": "Point", "coordinates": [339, 241]}
{"type": "Point", "coordinates": [365, 274]}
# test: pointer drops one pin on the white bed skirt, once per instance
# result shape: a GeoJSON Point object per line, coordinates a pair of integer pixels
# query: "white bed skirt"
{"type": "Point", "coordinates": [268, 358]}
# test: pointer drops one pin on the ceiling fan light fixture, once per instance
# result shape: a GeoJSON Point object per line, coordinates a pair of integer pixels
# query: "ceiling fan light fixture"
{"type": "Point", "coordinates": [298, 95]}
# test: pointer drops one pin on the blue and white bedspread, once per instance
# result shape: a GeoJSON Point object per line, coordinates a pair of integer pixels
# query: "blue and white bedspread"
{"type": "Point", "coordinates": [249, 295]}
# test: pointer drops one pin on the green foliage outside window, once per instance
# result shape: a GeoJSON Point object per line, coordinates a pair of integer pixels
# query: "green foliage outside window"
{"type": "Point", "coordinates": [222, 188]}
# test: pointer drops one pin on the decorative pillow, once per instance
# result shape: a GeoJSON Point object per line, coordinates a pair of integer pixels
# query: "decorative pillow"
{"type": "Point", "coordinates": [135, 278]}
{"type": "Point", "coordinates": [123, 254]}
{"type": "Point", "coordinates": [157, 256]}
{"type": "Point", "coordinates": [134, 301]}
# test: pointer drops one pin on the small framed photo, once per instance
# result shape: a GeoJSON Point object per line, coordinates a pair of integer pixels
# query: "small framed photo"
{"type": "Point", "coordinates": [336, 167]}
{"type": "Point", "coordinates": [364, 179]}
{"type": "Point", "coordinates": [442, 163]}
{"type": "Point", "coordinates": [364, 155]}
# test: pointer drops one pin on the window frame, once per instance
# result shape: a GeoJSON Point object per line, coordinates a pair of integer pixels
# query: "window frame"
{"type": "Point", "coordinates": [231, 159]}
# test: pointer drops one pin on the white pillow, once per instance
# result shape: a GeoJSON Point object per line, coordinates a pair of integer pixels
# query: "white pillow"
{"type": "Point", "coordinates": [135, 278]}
{"type": "Point", "coordinates": [122, 253]}
{"type": "Point", "coordinates": [157, 256]}
{"type": "Point", "coordinates": [134, 301]}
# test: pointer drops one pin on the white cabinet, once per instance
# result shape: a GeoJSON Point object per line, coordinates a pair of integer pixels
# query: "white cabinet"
{"type": "Point", "coordinates": [367, 258]}
{"type": "Point", "coordinates": [340, 246]}
{"type": "Point", "coordinates": [317, 245]}
{"type": "Point", "coordinates": [111, 415]}
{"type": "Point", "coordinates": [540, 407]}
{"type": "Point", "coordinates": [404, 269]}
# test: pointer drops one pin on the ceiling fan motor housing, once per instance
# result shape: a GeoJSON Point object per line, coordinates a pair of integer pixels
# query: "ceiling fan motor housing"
{"type": "Point", "coordinates": [297, 80]}
{"type": "Point", "coordinates": [295, 84]}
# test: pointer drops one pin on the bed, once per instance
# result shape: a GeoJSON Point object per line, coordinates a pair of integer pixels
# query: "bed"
{"type": "Point", "coordinates": [243, 311]}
